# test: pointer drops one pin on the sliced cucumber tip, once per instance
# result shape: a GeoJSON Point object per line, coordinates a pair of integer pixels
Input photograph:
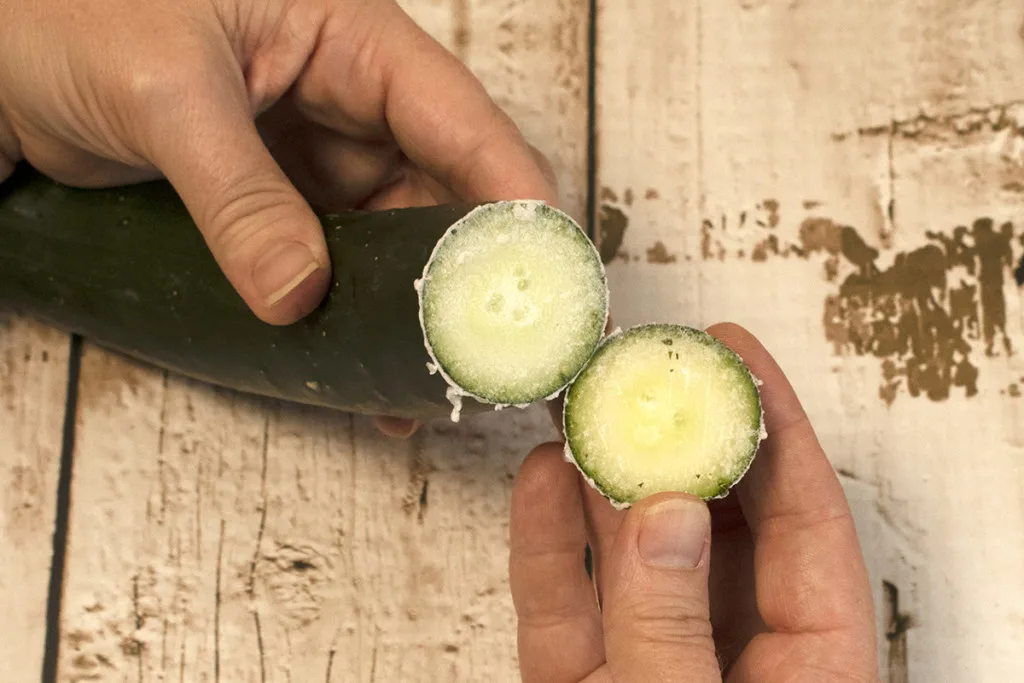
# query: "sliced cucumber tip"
{"type": "Point", "coordinates": [663, 407]}
{"type": "Point", "coordinates": [513, 303]}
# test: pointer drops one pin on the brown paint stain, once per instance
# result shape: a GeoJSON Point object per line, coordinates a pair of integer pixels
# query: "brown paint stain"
{"type": "Point", "coordinates": [925, 317]}
{"type": "Point", "coordinates": [914, 317]}
{"type": "Point", "coordinates": [461, 32]}
{"type": "Point", "coordinates": [659, 254]}
{"type": "Point", "coordinates": [994, 256]}
{"type": "Point", "coordinates": [627, 196]}
{"type": "Point", "coordinates": [651, 194]}
{"type": "Point", "coordinates": [772, 206]}
{"type": "Point", "coordinates": [769, 245]}
{"type": "Point", "coordinates": [832, 268]}
{"type": "Point", "coordinates": [820, 234]}
{"type": "Point", "coordinates": [1013, 390]}
{"type": "Point", "coordinates": [705, 240]}
{"type": "Point", "coordinates": [608, 195]}
{"type": "Point", "coordinates": [897, 625]}
{"type": "Point", "coordinates": [709, 248]}
{"type": "Point", "coordinates": [811, 204]}
{"type": "Point", "coordinates": [611, 229]}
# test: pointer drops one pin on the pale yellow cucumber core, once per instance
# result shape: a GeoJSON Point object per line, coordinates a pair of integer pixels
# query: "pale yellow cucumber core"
{"type": "Point", "coordinates": [663, 408]}
{"type": "Point", "coordinates": [514, 302]}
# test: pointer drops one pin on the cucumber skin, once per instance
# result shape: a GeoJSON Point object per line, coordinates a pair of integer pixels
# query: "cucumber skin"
{"type": "Point", "coordinates": [618, 501]}
{"type": "Point", "coordinates": [127, 268]}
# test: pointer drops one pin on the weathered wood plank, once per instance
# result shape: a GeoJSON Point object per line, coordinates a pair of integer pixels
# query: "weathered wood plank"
{"type": "Point", "coordinates": [755, 155]}
{"type": "Point", "coordinates": [33, 381]}
{"type": "Point", "coordinates": [220, 537]}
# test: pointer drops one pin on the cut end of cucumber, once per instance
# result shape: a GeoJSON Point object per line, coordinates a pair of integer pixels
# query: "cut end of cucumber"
{"type": "Point", "coordinates": [513, 303]}
{"type": "Point", "coordinates": [663, 408]}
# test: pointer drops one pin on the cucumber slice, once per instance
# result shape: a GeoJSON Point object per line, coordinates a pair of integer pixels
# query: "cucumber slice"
{"type": "Point", "coordinates": [663, 408]}
{"type": "Point", "coordinates": [513, 303]}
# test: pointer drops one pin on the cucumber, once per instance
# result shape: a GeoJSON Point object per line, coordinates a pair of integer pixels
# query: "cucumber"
{"type": "Point", "coordinates": [127, 268]}
{"type": "Point", "coordinates": [663, 407]}
{"type": "Point", "coordinates": [513, 303]}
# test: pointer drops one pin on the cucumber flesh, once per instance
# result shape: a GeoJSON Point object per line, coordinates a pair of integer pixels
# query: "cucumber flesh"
{"type": "Point", "coordinates": [513, 303]}
{"type": "Point", "coordinates": [663, 408]}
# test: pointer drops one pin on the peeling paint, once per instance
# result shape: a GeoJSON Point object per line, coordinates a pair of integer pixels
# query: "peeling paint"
{"type": "Point", "coordinates": [1008, 116]}
{"type": "Point", "coordinates": [659, 254]}
{"type": "Point", "coordinates": [924, 313]}
{"type": "Point", "coordinates": [897, 625]}
{"type": "Point", "coordinates": [612, 228]}
{"type": "Point", "coordinates": [920, 314]}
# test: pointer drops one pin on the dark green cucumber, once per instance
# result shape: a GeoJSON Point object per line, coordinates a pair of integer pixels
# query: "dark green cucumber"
{"type": "Point", "coordinates": [127, 269]}
{"type": "Point", "coordinates": [663, 407]}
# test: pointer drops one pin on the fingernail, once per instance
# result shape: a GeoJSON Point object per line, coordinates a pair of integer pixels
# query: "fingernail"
{"type": "Point", "coordinates": [674, 534]}
{"type": "Point", "coordinates": [394, 427]}
{"type": "Point", "coordinates": [282, 269]}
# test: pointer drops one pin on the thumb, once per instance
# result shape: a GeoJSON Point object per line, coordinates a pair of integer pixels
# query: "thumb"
{"type": "Point", "coordinates": [263, 234]}
{"type": "Point", "coordinates": [656, 614]}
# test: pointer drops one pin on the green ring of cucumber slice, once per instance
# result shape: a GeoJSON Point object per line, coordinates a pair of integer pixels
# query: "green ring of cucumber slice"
{"type": "Point", "coordinates": [663, 407]}
{"type": "Point", "coordinates": [513, 303]}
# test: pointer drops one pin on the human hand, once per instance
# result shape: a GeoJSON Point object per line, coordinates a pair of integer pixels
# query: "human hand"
{"type": "Point", "coordinates": [765, 586]}
{"type": "Point", "coordinates": [356, 107]}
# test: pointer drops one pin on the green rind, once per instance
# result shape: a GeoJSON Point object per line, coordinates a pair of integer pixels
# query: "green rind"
{"type": "Point", "coordinates": [126, 268]}
{"type": "Point", "coordinates": [619, 498]}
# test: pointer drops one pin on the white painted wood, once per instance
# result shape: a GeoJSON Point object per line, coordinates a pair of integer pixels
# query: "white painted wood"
{"type": "Point", "coordinates": [221, 537]}
{"type": "Point", "coordinates": [33, 377]}
{"type": "Point", "coordinates": [746, 112]}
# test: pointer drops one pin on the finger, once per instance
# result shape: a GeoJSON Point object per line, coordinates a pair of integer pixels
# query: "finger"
{"type": "Point", "coordinates": [809, 569]}
{"type": "Point", "coordinates": [560, 637]}
{"type": "Point", "coordinates": [603, 522]}
{"type": "Point", "coordinates": [735, 618]}
{"type": "Point", "coordinates": [395, 427]}
{"type": "Point", "coordinates": [380, 74]}
{"type": "Point", "coordinates": [76, 167]}
{"type": "Point", "coordinates": [656, 614]}
{"type": "Point", "coordinates": [10, 148]}
{"type": "Point", "coordinates": [265, 237]}
{"type": "Point", "coordinates": [411, 187]}
{"type": "Point", "coordinates": [331, 171]}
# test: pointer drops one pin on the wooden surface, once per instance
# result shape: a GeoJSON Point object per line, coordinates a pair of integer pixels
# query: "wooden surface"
{"type": "Point", "coordinates": [767, 162]}
{"type": "Point", "coordinates": [33, 387]}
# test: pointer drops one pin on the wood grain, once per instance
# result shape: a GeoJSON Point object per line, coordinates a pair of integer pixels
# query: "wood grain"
{"type": "Point", "coordinates": [220, 537]}
{"type": "Point", "coordinates": [33, 377]}
{"type": "Point", "coordinates": [769, 162]}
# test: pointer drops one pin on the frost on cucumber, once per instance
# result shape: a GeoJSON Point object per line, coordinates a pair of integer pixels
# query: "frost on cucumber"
{"type": "Point", "coordinates": [513, 302]}
{"type": "Point", "coordinates": [663, 408]}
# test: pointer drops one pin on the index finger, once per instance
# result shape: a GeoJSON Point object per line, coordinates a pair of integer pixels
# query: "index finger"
{"type": "Point", "coordinates": [396, 80]}
{"type": "Point", "coordinates": [810, 573]}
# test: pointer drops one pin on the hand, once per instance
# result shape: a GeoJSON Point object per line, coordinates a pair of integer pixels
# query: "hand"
{"type": "Point", "coordinates": [356, 107]}
{"type": "Point", "coordinates": [765, 586]}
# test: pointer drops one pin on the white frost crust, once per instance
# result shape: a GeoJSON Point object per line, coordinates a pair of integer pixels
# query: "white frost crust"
{"type": "Point", "coordinates": [569, 456]}
{"type": "Point", "coordinates": [455, 393]}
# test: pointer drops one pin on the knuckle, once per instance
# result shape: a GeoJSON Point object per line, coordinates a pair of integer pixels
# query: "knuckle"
{"type": "Point", "coordinates": [155, 84]}
{"type": "Point", "coordinates": [239, 220]}
{"type": "Point", "coordinates": [661, 619]}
